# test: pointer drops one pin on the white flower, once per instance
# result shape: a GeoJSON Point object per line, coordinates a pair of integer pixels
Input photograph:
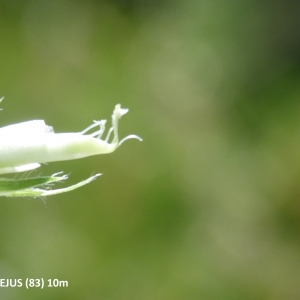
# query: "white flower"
{"type": "Point", "coordinates": [24, 146]}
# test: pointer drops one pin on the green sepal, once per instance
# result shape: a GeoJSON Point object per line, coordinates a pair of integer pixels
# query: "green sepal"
{"type": "Point", "coordinates": [33, 187]}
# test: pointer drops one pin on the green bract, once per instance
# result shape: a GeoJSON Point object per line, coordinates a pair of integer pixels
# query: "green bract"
{"type": "Point", "coordinates": [25, 145]}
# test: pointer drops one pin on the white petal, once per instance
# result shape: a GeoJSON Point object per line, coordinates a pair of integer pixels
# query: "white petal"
{"type": "Point", "coordinates": [23, 146]}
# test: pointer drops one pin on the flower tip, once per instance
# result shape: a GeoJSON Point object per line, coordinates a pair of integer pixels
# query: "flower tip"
{"type": "Point", "coordinates": [131, 136]}
{"type": "Point", "coordinates": [119, 112]}
{"type": "Point", "coordinates": [60, 178]}
{"type": "Point", "coordinates": [94, 177]}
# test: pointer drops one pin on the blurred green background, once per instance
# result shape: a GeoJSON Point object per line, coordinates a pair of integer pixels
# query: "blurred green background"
{"type": "Point", "coordinates": [208, 205]}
